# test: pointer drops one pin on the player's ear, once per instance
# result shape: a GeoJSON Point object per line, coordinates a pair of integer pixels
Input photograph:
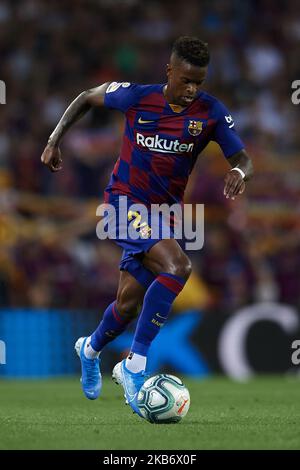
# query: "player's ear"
{"type": "Point", "coordinates": [168, 69]}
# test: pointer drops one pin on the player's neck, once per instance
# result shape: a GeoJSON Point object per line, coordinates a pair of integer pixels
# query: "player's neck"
{"type": "Point", "coordinates": [176, 108]}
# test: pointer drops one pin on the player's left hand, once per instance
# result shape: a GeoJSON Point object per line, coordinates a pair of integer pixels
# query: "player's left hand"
{"type": "Point", "coordinates": [234, 185]}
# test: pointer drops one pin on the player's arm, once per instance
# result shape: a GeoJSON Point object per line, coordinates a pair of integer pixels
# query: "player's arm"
{"type": "Point", "coordinates": [233, 150]}
{"type": "Point", "coordinates": [241, 171]}
{"type": "Point", "coordinates": [51, 156]}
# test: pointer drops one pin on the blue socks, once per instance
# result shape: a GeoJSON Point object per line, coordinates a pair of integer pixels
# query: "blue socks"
{"type": "Point", "coordinates": [111, 326]}
{"type": "Point", "coordinates": [156, 307]}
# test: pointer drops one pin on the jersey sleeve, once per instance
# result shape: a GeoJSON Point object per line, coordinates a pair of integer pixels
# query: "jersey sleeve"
{"type": "Point", "coordinates": [224, 133]}
{"type": "Point", "coordinates": [121, 95]}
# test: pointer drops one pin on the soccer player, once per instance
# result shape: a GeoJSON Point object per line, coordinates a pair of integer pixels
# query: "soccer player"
{"type": "Point", "coordinates": [167, 126]}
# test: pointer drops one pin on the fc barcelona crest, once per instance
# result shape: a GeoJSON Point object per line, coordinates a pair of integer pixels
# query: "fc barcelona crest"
{"type": "Point", "coordinates": [195, 127]}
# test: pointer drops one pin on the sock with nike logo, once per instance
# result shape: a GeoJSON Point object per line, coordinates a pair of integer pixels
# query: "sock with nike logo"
{"type": "Point", "coordinates": [157, 305]}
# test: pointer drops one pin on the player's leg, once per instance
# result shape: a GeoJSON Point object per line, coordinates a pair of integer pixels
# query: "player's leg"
{"type": "Point", "coordinates": [115, 320]}
{"type": "Point", "coordinates": [118, 314]}
{"type": "Point", "coordinates": [172, 268]}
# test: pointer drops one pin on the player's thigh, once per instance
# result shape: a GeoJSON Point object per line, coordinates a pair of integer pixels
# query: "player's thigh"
{"type": "Point", "coordinates": [130, 295]}
{"type": "Point", "coordinates": [167, 256]}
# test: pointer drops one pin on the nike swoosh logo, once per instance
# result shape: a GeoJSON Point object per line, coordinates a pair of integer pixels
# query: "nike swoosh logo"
{"type": "Point", "coordinates": [159, 316]}
{"type": "Point", "coordinates": [133, 397]}
{"type": "Point", "coordinates": [141, 121]}
{"type": "Point", "coordinates": [130, 395]}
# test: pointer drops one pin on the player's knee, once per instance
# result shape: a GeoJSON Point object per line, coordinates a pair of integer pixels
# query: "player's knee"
{"type": "Point", "coordinates": [128, 308]}
{"type": "Point", "coordinates": [180, 266]}
{"type": "Point", "coordinates": [183, 269]}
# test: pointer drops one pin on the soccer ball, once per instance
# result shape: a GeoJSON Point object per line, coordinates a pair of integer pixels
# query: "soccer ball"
{"type": "Point", "coordinates": [163, 399]}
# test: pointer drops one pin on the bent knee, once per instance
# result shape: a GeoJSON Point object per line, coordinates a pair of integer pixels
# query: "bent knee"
{"type": "Point", "coordinates": [184, 268]}
{"type": "Point", "coordinates": [128, 308]}
{"type": "Point", "coordinates": [180, 266]}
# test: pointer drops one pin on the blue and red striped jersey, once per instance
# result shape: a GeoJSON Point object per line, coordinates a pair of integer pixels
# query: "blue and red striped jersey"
{"type": "Point", "coordinates": [160, 146]}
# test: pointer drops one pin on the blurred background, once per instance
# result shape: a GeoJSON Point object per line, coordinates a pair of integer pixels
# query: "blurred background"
{"type": "Point", "coordinates": [239, 312]}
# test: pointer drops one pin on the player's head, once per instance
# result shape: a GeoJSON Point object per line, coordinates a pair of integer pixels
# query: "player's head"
{"type": "Point", "coordinates": [187, 69]}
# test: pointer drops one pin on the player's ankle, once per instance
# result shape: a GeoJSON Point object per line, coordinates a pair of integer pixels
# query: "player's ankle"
{"type": "Point", "coordinates": [136, 363]}
{"type": "Point", "coordinates": [88, 351]}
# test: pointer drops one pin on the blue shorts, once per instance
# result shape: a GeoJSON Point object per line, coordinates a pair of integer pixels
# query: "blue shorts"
{"type": "Point", "coordinates": [136, 232]}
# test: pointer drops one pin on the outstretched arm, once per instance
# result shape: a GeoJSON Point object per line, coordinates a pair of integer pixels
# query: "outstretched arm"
{"type": "Point", "coordinates": [241, 164]}
{"type": "Point", "coordinates": [51, 156]}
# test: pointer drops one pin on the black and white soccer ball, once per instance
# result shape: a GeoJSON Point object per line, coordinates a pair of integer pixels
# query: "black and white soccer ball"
{"type": "Point", "coordinates": [163, 399]}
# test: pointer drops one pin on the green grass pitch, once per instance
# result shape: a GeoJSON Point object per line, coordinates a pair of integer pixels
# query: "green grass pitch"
{"type": "Point", "coordinates": [263, 413]}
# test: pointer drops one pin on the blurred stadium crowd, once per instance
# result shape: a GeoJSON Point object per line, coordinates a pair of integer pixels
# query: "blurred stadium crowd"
{"type": "Point", "coordinates": [51, 51]}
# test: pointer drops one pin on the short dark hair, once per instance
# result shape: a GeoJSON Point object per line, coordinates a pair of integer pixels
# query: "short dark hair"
{"type": "Point", "coordinates": [192, 50]}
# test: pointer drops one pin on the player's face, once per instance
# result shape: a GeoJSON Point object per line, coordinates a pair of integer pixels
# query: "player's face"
{"type": "Point", "coordinates": [184, 81]}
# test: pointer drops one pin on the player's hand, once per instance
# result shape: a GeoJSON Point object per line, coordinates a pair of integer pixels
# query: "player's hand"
{"type": "Point", "coordinates": [51, 157]}
{"type": "Point", "coordinates": [234, 185]}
